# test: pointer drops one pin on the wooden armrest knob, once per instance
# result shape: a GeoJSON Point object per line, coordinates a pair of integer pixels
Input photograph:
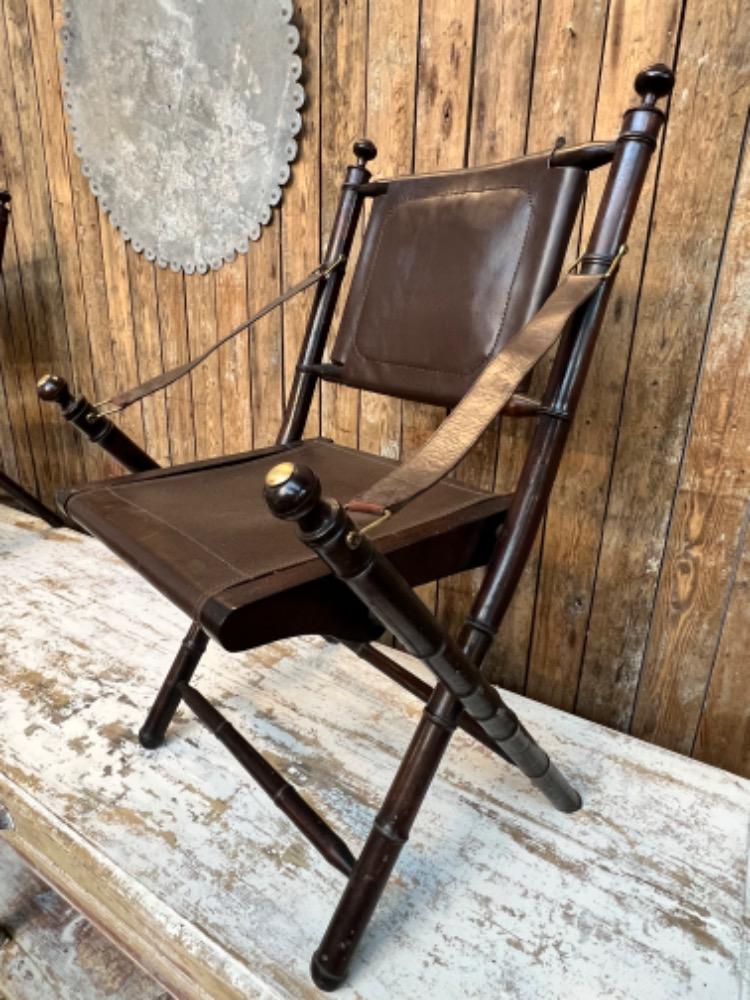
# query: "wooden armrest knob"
{"type": "Point", "coordinates": [291, 491]}
{"type": "Point", "coordinates": [654, 82]}
{"type": "Point", "coordinates": [53, 389]}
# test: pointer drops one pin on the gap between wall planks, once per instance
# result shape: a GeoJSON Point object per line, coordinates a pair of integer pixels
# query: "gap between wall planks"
{"type": "Point", "coordinates": [631, 609]}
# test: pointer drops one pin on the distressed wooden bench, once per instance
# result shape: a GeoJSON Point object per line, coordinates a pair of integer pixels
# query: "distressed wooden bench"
{"type": "Point", "coordinates": [49, 951]}
{"type": "Point", "coordinates": [190, 871]}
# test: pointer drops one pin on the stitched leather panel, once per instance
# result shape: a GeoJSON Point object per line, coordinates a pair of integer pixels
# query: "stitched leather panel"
{"type": "Point", "coordinates": [195, 532]}
{"type": "Point", "coordinates": [452, 265]}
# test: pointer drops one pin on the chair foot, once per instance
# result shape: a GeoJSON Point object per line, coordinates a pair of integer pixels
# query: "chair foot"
{"type": "Point", "coordinates": [154, 729]}
{"type": "Point", "coordinates": [149, 739]}
{"type": "Point", "coordinates": [323, 979]}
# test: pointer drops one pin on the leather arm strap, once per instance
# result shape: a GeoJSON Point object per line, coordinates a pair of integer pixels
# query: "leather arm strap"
{"type": "Point", "coordinates": [129, 396]}
{"type": "Point", "coordinates": [488, 395]}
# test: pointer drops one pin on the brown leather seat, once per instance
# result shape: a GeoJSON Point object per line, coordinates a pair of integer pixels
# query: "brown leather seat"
{"type": "Point", "coordinates": [202, 534]}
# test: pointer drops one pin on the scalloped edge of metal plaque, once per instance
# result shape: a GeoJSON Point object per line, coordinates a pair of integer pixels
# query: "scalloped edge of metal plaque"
{"type": "Point", "coordinates": [255, 230]}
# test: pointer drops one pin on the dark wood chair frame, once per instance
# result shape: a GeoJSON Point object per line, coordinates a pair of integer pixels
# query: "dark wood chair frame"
{"type": "Point", "coordinates": [26, 500]}
{"type": "Point", "coordinates": [462, 696]}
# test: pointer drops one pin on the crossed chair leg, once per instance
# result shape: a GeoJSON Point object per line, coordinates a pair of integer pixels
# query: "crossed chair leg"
{"type": "Point", "coordinates": [462, 698]}
{"type": "Point", "coordinates": [293, 493]}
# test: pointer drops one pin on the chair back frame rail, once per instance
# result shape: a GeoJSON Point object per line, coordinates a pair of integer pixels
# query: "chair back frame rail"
{"type": "Point", "coordinates": [461, 697]}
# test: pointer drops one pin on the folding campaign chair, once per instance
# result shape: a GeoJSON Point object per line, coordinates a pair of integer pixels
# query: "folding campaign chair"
{"type": "Point", "coordinates": [9, 487]}
{"type": "Point", "coordinates": [452, 302]}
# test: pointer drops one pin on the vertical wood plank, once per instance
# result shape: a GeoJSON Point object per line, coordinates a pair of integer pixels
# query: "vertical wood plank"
{"type": "Point", "coordinates": [121, 367]}
{"type": "Point", "coordinates": [446, 49]}
{"type": "Point", "coordinates": [42, 298]}
{"type": "Point", "coordinates": [44, 57]}
{"type": "Point", "coordinates": [266, 348]}
{"type": "Point", "coordinates": [234, 386]}
{"type": "Point", "coordinates": [301, 249]}
{"type": "Point", "coordinates": [145, 311]}
{"type": "Point", "coordinates": [711, 508]}
{"type": "Point", "coordinates": [499, 122]}
{"type": "Point", "coordinates": [576, 510]}
{"type": "Point", "coordinates": [391, 86]}
{"type": "Point", "coordinates": [710, 100]}
{"type": "Point", "coordinates": [94, 291]}
{"type": "Point", "coordinates": [200, 307]}
{"type": "Point", "coordinates": [724, 731]}
{"type": "Point", "coordinates": [18, 370]}
{"type": "Point", "coordinates": [563, 94]}
{"type": "Point", "coordinates": [343, 101]}
{"type": "Point", "coordinates": [170, 293]}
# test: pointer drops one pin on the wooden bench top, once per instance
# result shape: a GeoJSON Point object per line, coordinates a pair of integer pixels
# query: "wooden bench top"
{"type": "Point", "coordinates": [187, 867]}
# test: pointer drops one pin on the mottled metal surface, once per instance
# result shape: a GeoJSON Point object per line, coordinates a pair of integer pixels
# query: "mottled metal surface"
{"type": "Point", "coordinates": [183, 113]}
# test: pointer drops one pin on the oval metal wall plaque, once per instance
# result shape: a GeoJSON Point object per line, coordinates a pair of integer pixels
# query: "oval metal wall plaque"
{"type": "Point", "coordinates": [183, 113]}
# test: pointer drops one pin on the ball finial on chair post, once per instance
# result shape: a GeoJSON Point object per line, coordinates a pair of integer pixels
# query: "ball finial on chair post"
{"type": "Point", "coordinates": [654, 82]}
{"type": "Point", "coordinates": [365, 150]}
{"type": "Point", "coordinates": [291, 491]}
{"type": "Point", "coordinates": [54, 389]}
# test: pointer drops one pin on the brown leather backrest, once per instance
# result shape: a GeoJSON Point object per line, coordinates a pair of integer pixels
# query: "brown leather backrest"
{"type": "Point", "coordinates": [451, 265]}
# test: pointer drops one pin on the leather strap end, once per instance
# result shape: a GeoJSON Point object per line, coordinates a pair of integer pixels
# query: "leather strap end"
{"type": "Point", "coordinates": [358, 506]}
{"type": "Point", "coordinates": [124, 399]}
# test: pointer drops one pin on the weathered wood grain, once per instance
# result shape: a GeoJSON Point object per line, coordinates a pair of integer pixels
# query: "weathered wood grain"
{"type": "Point", "coordinates": [235, 377]}
{"type": "Point", "coordinates": [576, 511]}
{"type": "Point", "coordinates": [54, 953]}
{"type": "Point", "coordinates": [567, 50]}
{"type": "Point", "coordinates": [147, 334]}
{"type": "Point", "coordinates": [710, 513]}
{"type": "Point", "coordinates": [687, 231]}
{"type": "Point", "coordinates": [192, 870]}
{"type": "Point", "coordinates": [498, 127]}
{"type": "Point", "coordinates": [343, 96]}
{"type": "Point", "coordinates": [170, 290]}
{"type": "Point", "coordinates": [266, 343]}
{"type": "Point", "coordinates": [39, 286]}
{"type": "Point", "coordinates": [393, 32]}
{"type": "Point", "coordinates": [441, 129]}
{"type": "Point", "coordinates": [200, 309]}
{"type": "Point", "coordinates": [724, 731]}
{"type": "Point", "coordinates": [44, 61]}
{"type": "Point", "coordinates": [301, 248]}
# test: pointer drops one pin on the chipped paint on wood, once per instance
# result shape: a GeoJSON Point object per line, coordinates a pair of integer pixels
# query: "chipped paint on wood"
{"type": "Point", "coordinates": [53, 953]}
{"type": "Point", "coordinates": [186, 864]}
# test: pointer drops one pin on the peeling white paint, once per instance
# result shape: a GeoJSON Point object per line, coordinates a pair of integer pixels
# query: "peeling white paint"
{"type": "Point", "coordinates": [640, 895]}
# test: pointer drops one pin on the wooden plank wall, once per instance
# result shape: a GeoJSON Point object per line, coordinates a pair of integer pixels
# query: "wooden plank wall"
{"type": "Point", "coordinates": [633, 610]}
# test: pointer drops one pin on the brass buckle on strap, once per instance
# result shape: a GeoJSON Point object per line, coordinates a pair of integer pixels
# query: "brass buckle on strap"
{"type": "Point", "coordinates": [353, 538]}
{"type": "Point", "coordinates": [373, 524]}
{"type": "Point", "coordinates": [326, 269]}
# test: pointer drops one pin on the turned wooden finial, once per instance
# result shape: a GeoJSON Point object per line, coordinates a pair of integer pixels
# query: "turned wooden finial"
{"type": "Point", "coordinates": [291, 491]}
{"type": "Point", "coordinates": [54, 389]}
{"type": "Point", "coordinates": [365, 150]}
{"type": "Point", "coordinates": [654, 82]}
